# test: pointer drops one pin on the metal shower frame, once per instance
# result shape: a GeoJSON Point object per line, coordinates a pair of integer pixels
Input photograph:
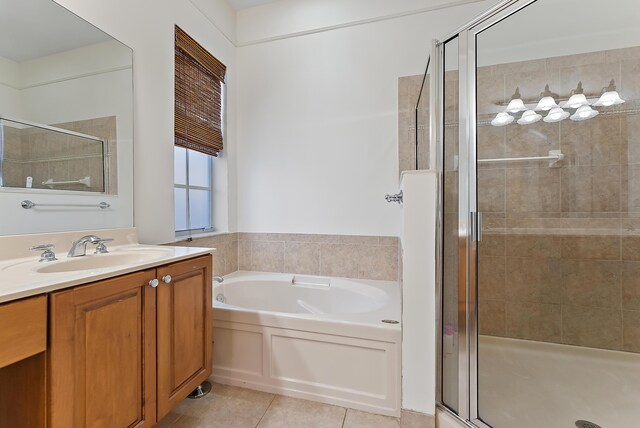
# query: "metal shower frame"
{"type": "Point", "coordinates": [469, 219]}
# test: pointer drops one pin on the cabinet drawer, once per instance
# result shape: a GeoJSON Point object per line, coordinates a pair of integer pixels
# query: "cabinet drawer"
{"type": "Point", "coordinates": [23, 329]}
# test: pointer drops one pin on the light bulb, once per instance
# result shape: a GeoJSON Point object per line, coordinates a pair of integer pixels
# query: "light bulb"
{"type": "Point", "coordinates": [611, 98]}
{"type": "Point", "coordinates": [515, 105]}
{"type": "Point", "coordinates": [529, 117]}
{"type": "Point", "coordinates": [502, 119]}
{"type": "Point", "coordinates": [576, 101]}
{"type": "Point", "coordinates": [584, 113]}
{"type": "Point", "coordinates": [556, 114]}
{"type": "Point", "coordinates": [546, 103]}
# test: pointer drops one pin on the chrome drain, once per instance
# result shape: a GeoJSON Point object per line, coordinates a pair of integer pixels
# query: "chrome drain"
{"type": "Point", "coordinates": [391, 322]}
{"type": "Point", "coordinates": [586, 424]}
{"type": "Point", "coordinates": [220, 298]}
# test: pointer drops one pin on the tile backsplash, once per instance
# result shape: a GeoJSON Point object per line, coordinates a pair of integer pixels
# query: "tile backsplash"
{"type": "Point", "coordinates": [350, 256]}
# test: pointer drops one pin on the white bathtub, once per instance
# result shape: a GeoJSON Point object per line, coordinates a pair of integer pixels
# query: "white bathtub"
{"type": "Point", "coordinates": [321, 339]}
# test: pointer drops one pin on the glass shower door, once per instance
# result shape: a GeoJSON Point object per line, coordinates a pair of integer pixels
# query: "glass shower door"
{"type": "Point", "coordinates": [538, 106]}
{"type": "Point", "coordinates": [451, 321]}
{"type": "Point", "coordinates": [557, 137]}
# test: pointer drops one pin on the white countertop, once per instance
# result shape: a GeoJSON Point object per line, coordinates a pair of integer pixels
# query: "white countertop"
{"type": "Point", "coordinates": [19, 277]}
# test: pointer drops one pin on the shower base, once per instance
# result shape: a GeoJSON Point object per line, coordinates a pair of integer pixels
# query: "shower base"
{"type": "Point", "coordinates": [534, 384]}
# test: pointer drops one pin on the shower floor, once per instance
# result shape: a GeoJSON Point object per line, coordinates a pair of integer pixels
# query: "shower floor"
{"type": "Point", "coordinates": [534, 384]}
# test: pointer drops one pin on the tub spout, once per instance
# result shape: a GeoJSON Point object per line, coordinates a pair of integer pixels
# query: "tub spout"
{"type": "Point", "coordinates": [218, 279]}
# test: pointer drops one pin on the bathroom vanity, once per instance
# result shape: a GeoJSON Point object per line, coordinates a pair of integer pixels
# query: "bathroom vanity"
{"type": "Point", "coordinates": [119, 344]}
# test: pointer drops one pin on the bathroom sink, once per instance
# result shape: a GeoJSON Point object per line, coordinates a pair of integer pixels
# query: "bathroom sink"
{"type": "Point", "coordinates": [102, 261]}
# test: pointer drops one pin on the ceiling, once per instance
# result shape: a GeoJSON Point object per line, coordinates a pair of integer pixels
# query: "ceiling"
{"type": "Point", "coordinates": [34, 28]}
{"type": "Point", "coordinates": [246, 4]}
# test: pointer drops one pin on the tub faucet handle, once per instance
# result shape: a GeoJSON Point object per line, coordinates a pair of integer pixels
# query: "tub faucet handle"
{"type": "Point", "coordinates": [218, 279]}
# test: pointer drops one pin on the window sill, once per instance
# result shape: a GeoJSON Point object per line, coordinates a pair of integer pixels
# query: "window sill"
{"type": "Point", "coordinates": [187, 237]}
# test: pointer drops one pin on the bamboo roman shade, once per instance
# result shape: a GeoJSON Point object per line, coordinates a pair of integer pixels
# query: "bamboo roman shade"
{"type": "Point", "coordinates": [198, 96]}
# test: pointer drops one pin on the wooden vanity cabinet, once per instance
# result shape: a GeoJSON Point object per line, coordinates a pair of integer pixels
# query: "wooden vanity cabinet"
{"type": "Point", "coordinates": [122, 352]}
{"type": "Point", "coordinates": [184, 330]}
{"type": "Point", "coordinates": [23, 344]}
{"type": "Point", "coordinates": [102, 354]}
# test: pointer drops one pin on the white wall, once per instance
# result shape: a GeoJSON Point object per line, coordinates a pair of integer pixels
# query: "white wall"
{"type": "Point", "coordinates": [418, 291]}
{"type": "Point", "coordinates": [284, 18]}
{"type": "Point", "coordinates": [10, 102]}
{"type": "Point", "coordinates": [148, 28]}
{"type": "Point", "coordinates": [317, 118]}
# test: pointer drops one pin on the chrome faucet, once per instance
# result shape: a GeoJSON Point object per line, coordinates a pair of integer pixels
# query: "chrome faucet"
{"type": "Point", "coordinates": [79, 247]}
{"type": "Point", "coordinates": [218, 279]}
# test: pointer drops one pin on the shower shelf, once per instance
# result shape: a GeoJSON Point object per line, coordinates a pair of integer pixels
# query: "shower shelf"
{"type": "Point", "coordinates": [554, 156]}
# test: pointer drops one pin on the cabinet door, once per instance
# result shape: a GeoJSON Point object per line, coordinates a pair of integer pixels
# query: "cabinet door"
{"type": "Point", "coordinates": [102, 354]}
{"type": "Point", "coordinates": [184, 329]}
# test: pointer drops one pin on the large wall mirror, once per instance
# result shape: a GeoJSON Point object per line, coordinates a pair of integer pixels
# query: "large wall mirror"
{"type": "Point", "coordinates": [66, 122]}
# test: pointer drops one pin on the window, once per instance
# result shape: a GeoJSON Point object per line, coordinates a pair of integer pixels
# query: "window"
{"type": "Point", "coordinates": [192, 191]}
{"type": "Point", "coordinates": [199, 125]}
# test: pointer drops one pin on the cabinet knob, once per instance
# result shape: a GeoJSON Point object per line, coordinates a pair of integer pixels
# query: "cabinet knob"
{"type": "Point", "coordinates": [154, 282]}
{"type": "Point", "coordinates": [166, 279]}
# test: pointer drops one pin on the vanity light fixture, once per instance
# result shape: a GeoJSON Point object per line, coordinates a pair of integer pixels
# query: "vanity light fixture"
{"type": "Point", "coordinates": [529, 117]}
{"type": "Point", "coordinates": [577, 98]}
{"type": "Point", "coordinates": [502, 119]}
{"type": "Point", "coordinates": [609, 97]}
{"type": "Point", "coordinates": [547, 101]}
{"type": "Point", "coordinates": [516, 104]}
{"type": "Point", "coordinates": [556, 114]}
{"type": "Point", "coordinates": [584, 113]}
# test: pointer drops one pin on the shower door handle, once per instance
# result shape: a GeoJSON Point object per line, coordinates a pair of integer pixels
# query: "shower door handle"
{"type": "Point", "coordinates": [476, 226]}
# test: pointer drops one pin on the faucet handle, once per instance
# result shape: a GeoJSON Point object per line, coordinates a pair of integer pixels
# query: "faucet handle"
{"type": "Point", "coordinates": [47, 252]}
{"type": "Point", "coordinates": [42, 247]}
{"type": "Point", "coordinates": [100, 247]}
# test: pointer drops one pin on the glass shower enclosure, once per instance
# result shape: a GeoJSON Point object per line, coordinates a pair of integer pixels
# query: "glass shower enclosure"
{"type": "Point", "coordinates": [536, 108]}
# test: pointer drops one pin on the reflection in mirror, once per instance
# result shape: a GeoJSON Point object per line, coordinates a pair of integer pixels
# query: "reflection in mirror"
{"type": "Point", "coordinates": [66, 118]}
{"type": "Point", "coordinates": [39, 157]}
{"type": "Point", "coordinates": [67, 76]}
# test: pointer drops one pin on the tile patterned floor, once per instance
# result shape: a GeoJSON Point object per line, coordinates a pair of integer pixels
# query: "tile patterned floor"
{"type": "Point", "coordinates": [233, 407]}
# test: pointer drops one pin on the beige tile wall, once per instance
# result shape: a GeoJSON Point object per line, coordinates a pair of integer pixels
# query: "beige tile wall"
{"type": "Point", "coordinates": [366, 257]}
{"type": "Point", "coordinates": [408, 92]}
{"type": "Point", "coordinates": [226, 257]}
{"type": "Point", "coordinates": [560, 259]}
{"type": "Point", "coordinates": [43, 154]}
{"type": "Point", "coordinates": [561, 248]}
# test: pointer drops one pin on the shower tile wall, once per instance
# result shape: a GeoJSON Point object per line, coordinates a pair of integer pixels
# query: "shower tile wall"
{"type": "Point", "coordinates": [408, 92]}
{"type": "Point", "coordinates": [560, 258]}
{"type": "Point", "coordinates": [350, 256]}
{"type": "Point", "coordinates": [43, 154]}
